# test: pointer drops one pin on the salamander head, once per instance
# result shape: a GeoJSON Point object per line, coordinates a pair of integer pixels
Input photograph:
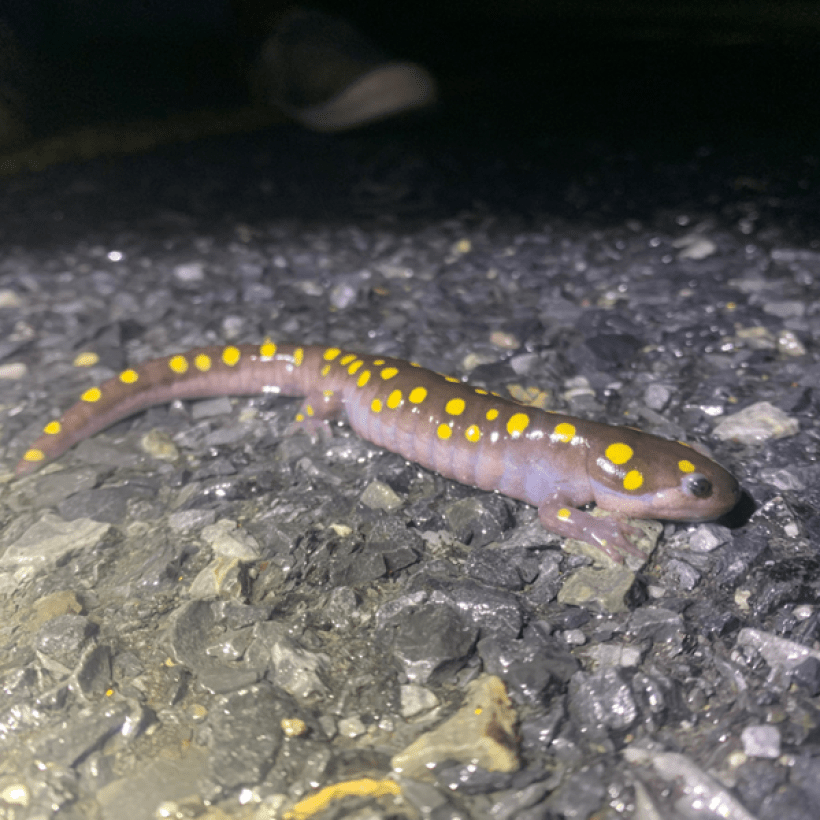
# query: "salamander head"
{"type": "Point", "coordinates": [649, 477]}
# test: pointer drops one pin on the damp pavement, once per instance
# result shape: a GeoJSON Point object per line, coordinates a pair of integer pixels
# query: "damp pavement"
{"type": "Point", "coordinates": [202, 616]}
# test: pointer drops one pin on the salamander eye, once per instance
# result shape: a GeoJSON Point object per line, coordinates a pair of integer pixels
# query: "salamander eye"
{"type": "Point", "coordinates": [697, 485]}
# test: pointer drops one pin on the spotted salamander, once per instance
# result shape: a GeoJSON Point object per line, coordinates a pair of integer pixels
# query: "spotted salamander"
{"type": "Point", "coordinates": [557, 463]}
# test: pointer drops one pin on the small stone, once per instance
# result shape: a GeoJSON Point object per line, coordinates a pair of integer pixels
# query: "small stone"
{"type": "Point", "coordinates": [158, 445]}
{"type": "Point", "coordinates": [351, 727]}
{"type": "Point", "coordinates": [379, 496]}
{"type": "Point", "coordinates": [227, 540]}
{"type": "Point", "coordinates": [293, 727]}
{"type": "Point", "coordinates": [434, 642]}
{"type": "Point", "coordinates": [416, 699]}
{"type": "Point", "coordinates": [13, 371]}
{"type": "Point", "coordinates": [604, 589]}
{"type": "Point", "coordinates": [190, 272]}
{"type": "Point", "coordinates": [481, 733]}
{"type": "Point", "coordinates": [601, 701]}
{"type": "Point", "coordinates": [757, 424]}
{"type": "Point", "coordinates": [207, 408]}
{"type": "Point", "coordinates": [694, 246]}
{"type": "Point", "coordinates": [657, 396]}
{"type": "Point", "coordinates": [761, 741]}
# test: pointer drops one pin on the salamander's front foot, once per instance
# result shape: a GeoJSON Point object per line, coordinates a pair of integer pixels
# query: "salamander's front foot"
{"type": "Point", "coordinates": [609, 534]}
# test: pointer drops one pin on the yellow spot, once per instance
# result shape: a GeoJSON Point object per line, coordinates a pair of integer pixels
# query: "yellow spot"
{"type": "Point", "coordinates": [477, 711]}
{"type": "Point", "coordinates": [564, 432]}
{"type": "Point", "coordinates": [492, 415]}
{"type": "Point", "coordinates": [355, 366]}
{"type": "Point", "coordinates": [347, 358]}
{"type": "Point", "coordinates": [376, 405]}
{"type": "Point", "coordinates": [92, 395]}
{"type": "Point", "coordinates": [455, 407]}
{"type": "Point", "coordinates": [309, 409]}
{"type": "Point", "coordinates": [268, 349]}
{"type": "Point", "coordinates": [300, 417]}
{"type": "Point", "coordinates": [564, 514]}
{"type": "Point", "coordinates": [480, 391]}
{"type": "Point", "coordinates": [298, 356]}
{"type": "Point", "coordinates": [331, 353]}
{"type": "Point", "coordinates": [86, 359]}
{"type": "Point", "coordinates": [417, 395]}
{"type": "Point", "coordinates": [364, 378]}
{"type": "Point", "coordinates": [179, 364]}
{"type": "Point", "coordinates": [202, 362]}
{"type": "Point", "coordinates": [325, 370]}
{"type": "Point", "coordinates": [472, 433]}
{"type": "Point", "coordinates": [394, 399]}
{"type": "Point", "coordinates": [444, 431]}
{"type": "Point", "coordinates": [389, 372]}
{"type": "Point", "coordinates": [129, 376]}
{"type": "Point", "coordinates": [231, 355]}
{"type": "Point", "coordinates": [414, 364]}
{"type": "Point", "coordinates": [619, 453]}
{"type": "Point", "coordinates": [327, 393]}
{"type": "Point", "coordinates": [632, 480]}
{"type": "Point", "coordinates": [378, 362]}
{"type": "Point", "coordinates": [452, 379]}
{"type": "Point", "coordinates": [34, 455]}
{"type": "Point", "coordinates": [686, 466]}
{"type": "Point", "coordinates": [517, 424]}
{"type": "Point", "coordinates": [364, 787]}
{"type": "Point", "coordinates": [52, 428]}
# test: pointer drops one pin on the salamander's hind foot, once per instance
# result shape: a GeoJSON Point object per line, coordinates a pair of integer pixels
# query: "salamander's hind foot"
{"type": "Point", "coordinates": [313, 417]}
{"type": "Point", "coordinates": [317, 429]}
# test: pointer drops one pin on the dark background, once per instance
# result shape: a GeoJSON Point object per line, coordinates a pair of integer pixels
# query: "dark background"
{"type": "Point", "coordinates": [677, 73]}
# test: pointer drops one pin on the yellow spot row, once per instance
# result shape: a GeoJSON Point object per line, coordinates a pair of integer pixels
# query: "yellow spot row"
{"type": "Point", "coordinates": [202, 362]}
{"type": "Point", "coordinates": [34, 454]}
{"type": "Point", "coordinates": [179, 364]}
{"type": "Point", "coordinates": [516, 425]}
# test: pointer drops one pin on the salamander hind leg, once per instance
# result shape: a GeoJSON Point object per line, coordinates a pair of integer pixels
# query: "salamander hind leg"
{"type": "Point", "coordinates": [315, 414]}
{"type": "Point", "coordinates": [609, 535]}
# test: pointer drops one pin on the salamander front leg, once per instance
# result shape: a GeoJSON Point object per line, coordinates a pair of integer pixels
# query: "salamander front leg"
{"type": "Point", "coordinates": [609, 535]}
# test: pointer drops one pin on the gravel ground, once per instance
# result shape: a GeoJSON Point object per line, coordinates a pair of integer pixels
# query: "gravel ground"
{"type": "Point", "coordinates": [203, 617]}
